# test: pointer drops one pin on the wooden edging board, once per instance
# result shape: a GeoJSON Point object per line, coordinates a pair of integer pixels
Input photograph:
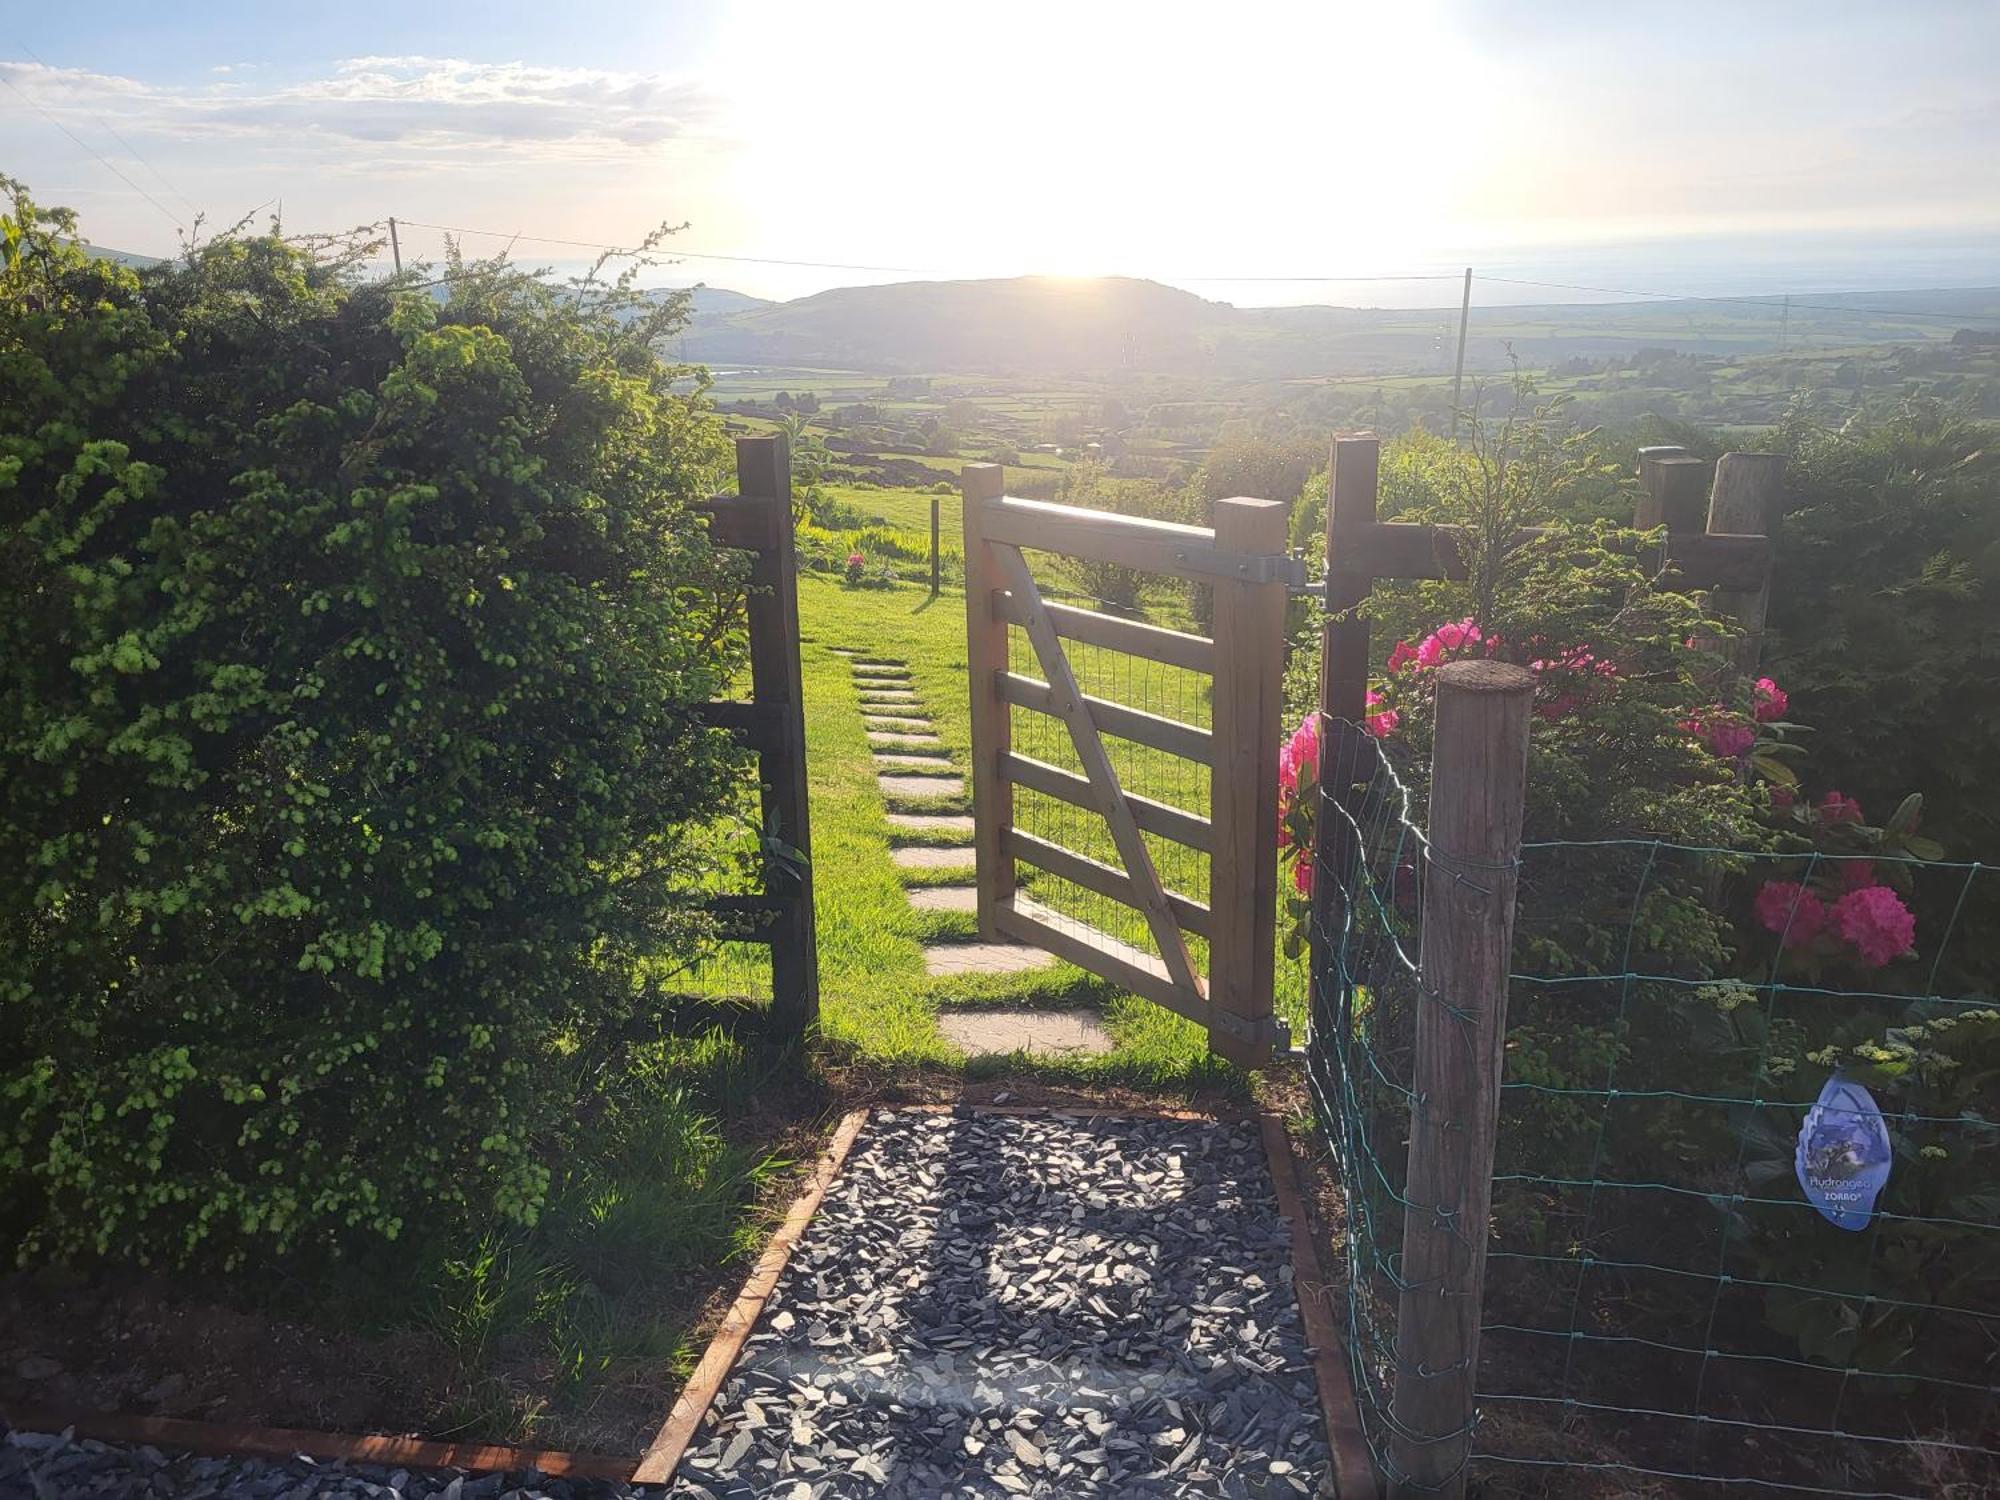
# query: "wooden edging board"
{"type": "Point", "coordinates": [663, 1454]}
{"type": "Point", "coordinates": [1353, 1466]}
{"type": "Point", "coordinates": [225, 1440]}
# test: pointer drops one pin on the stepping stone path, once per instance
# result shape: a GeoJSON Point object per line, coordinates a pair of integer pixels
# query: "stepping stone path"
{"type": "Point", "coordinates": [1040, 1033]}
{"type": "Point", "coordinates": [903, 743]}
{"type": "Point", "coordinates": [984, 958]}
{"type": "Point", "coordinates": [996, 1306]}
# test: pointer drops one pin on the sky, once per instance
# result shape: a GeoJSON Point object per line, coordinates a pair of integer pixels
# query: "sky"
{"type": "Point", "coordinates": [1251, 152]}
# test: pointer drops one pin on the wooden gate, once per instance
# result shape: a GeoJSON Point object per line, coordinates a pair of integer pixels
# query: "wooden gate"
{"type": "Point", "coordinates": [1243, 559]}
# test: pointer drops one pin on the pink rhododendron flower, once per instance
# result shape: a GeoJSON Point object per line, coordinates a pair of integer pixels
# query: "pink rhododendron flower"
{"type": "Point", "coordinates": [1785, 906]}
{"type": "Point", "coordinates": [1724, 736]}
{"type": "Point", "coordinates": [1855, 873]}
{"type": "Point", "coordinates": [1834, 808]}
{"type": "Point", "coordinates": [855, 559]}
{"type": "Point", "coordinates": [1781, 797]}
{"type": "Point", "coordinates": [1459, 633]}
{"type": "Point", "coordinates": [1429, 651]}
{"type": "Point", "coordinates": [1731, 740]}
{"type": "Point", "coordinates": [1877, 923]}
{"type": "Point", "coordinates": [1302, 877]}
{"type": "Point", "coordinates": [1383, 724]}
{"type": "Point", "coordinates": [1299, 756]}
{"type": "Point", "coordinates": [1402, 656]}
{"type": "Point", "coordinates": [1771, 700]}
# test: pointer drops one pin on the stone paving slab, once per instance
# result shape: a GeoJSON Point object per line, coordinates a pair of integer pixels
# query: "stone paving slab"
{"type": "Point", "coordinates": [884, 663]}
{"type": "Point", "coordinates": [920, 786]}
{"type": "Point", "coordinates": [885, 695]}
{"type": "Point", "coordinates": [899, 741]}
{"type": "Point", "coordinates": [931, 857]}
{"type": "Point", "coordinates": [1040, 1033]}
{"type": "Point", "coordinates": [936, 761]}
{"type": "Point", "coordinates": [944, 897]}
{"type": "Point", "coordinates": [882, 684]}
{"type": "Point", "coordinates": [991, 1306]}
{"type": "Point", "coordinates": [932, 822]}
{"type": "Point", "coordinates": [897, 723]}
{"type": "Point", "coordinates": [984, 958]}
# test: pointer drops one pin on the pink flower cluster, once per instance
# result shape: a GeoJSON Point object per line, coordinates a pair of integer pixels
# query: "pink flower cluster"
{"type": "Point", "coordinates": [1577, 669]}
{"type": "Point", "coordinates": [1725, 735]}
{"type": "Point", "coordinates": [1382, 723]}
{"type": "Point", "coordinates": [1298, 762]}
{"type": "Point", "coordinates": [1298, 759]}
{"type": "Point", "coordinates": [1770, 700]}
{"type": "Point", "coordinates": [1299, 755]}
{"type": "Point", "coordinates": [1433, 650]}
{"type": "Point", "coordinates": [1870, 919]}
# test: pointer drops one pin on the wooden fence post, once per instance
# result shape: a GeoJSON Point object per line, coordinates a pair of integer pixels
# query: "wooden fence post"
{"type": "Point", "coordinates": [764, 477]}
{"type": "Point", "coordinates": [934, 546]}
{"type": "Point", "coordinates": [1670, 484]}
{"type": "Point", "coordinates": [1479, 767]}
{"type": "Point", "coordinates": [992, 728]}
{"type": "Point", "coordinates": [1246, 718]}
{"type": "Point", "coordinates": [1747, 501]}
{"type": "Point", "coordinates": [1353, 478]}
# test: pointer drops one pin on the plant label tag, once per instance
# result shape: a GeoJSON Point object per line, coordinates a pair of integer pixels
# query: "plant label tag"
{"type": "Point", "coordinates": [1843, 1154]}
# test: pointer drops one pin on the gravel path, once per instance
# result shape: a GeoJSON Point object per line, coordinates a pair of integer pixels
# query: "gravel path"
{"type": "Point", "coordinates": [49, 1466]}
{"type": "Point", "coordinates": [1005, 1306]}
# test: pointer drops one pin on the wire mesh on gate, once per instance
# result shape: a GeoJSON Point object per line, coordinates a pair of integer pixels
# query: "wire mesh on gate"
{"type": "Point", "coordinates": [1663, 1303]}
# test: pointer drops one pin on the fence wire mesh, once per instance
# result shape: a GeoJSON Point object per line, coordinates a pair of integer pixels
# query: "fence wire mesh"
{"type": "Point", "coordinates": [1664, 1309]}
{"type": "Point", "coordinates": [1157, 688]}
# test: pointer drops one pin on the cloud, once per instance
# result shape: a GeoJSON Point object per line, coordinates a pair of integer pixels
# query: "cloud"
{"type": "Point", "coordinates": [386, 107]}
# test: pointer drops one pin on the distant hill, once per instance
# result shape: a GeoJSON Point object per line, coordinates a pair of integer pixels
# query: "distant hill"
{"type": "Point", "coordinates": [1064, 326]}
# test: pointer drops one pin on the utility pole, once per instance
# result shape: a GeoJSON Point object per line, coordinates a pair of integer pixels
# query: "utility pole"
{"type": "Point", "coordinates": [396, 253]}
{"type": "Point", "coordinates": [1458, 372]}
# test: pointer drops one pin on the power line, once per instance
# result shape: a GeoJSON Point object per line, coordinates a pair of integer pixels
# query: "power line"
{"type": "Point", "coordinates": [676, 251]}
{"type": "Point", "coordinates": [103, 160]}
{"type": "Point", "coordinates": [830, 265]}
{"type": "Point", "coordinates": [1769, 303]}
{"type": "Point", "coordinates": [130, 149]}
{"type": "Point", "coordinates": [1772, 303]}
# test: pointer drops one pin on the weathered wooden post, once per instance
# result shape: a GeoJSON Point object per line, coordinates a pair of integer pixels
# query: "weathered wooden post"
{"type": "Point", "coordinates": [1670, 490]}
{"type": "Point", "coordinates": [764, 476]}
{"type": "Point", "coordinates": [934, 546]}
{"type": "Point", "coordinates": [992, 729]}
{"type": "Point", "coordinates": [1747, 500]}
{"type": "Point", "coordinates": [1479, 766]}
{"type": "Point", "coordinates": [1353, 478]}
{"type": "Point", "coordinates": [1246, 719]}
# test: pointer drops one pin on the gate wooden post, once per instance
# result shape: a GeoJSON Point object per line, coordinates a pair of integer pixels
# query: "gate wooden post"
{"type": "Point", "coordinates": [1749, 489]}
{"type": "Point", "coordinates": [1353, 478]}
{"type": "Point", "coordinates": [1246, 719]}
{"type": "Point", "coordinates": [764, 475]}
{"type": "Point", "coordinates": [1479, 770]}
{"type": "Point", "coordinates": [992, 728]}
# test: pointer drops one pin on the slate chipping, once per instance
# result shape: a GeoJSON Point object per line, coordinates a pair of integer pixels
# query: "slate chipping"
{"type": "Point", "coordinates": [58, 1466]}
{"type": "Point", "coordinates": [1028, 1306]}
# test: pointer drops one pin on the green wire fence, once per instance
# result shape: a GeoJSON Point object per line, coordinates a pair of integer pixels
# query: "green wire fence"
{"type": "Point", "coordinates": [1662, 1306]}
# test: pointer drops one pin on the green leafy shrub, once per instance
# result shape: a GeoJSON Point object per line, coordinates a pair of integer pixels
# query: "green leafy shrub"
{"type": "Point", "coordinates": [346, 766]}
